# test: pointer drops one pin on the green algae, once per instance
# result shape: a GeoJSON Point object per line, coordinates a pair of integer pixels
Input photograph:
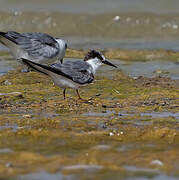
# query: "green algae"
{"type": "Point", "coordinates": [46, 132]}
{"type": "Point", "coordinates": [130, 55]}
{"type": "Point", "coordinates": [127, 55]}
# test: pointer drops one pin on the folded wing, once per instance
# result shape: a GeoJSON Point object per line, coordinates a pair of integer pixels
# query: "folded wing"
{"type": "Point", "coordinates": [76, 71]}
{"type": "Point", "coordinates": [37, 45]}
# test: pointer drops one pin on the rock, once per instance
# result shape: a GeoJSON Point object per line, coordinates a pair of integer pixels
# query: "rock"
{"type": "Point", "coordinates": [157, 162]}
{"type": "Point", "coordinates": [26, 116]}
{"type": "Point", "coordinates": [6, 82]}
{"type": "Point", "coordinates": [116, 18]}
{"type": "Point", "coordinates": [9, 165]}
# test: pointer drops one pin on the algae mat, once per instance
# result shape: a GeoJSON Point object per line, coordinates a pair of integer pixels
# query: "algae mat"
{"type": "Point", "coordinates": [125, 129]}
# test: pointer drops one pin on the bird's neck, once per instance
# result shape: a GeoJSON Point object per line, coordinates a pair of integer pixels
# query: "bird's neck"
{"type": "Point", "coordinates": [61, 53]}
{"type": "Point", "coordinates": [95, 64]}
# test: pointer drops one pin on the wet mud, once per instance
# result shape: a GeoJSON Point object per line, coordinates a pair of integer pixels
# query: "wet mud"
{"type": "Point", "coordinates": [127, 127]}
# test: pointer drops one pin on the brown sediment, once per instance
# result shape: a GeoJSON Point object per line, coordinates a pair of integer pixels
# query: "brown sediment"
{"type": "Point", "coordinates": [130, 55]}
{"type": "Point", "coordinates": [46, 132]}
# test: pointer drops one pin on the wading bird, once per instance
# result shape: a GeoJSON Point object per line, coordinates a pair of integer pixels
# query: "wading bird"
{"type": "Point", "coordinates": [35, 46]}
{"type": "Point", "coordinates": [72, 74]}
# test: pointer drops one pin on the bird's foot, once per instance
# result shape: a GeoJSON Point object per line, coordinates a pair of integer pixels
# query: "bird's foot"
{"type": "Point", "coordinates": [87, 101]}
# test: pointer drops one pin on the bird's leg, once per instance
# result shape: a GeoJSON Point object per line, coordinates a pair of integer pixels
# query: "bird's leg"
{"type": "Point", "coordinates": [61, 60]}
{"type": "Point", "coordinates": [84, 100]}
{"type": "Point", "coordinates": [64, 94]}
{"type": "Point", "coordinates": [29, 69]}
{"type": "Point", "coordinates": [25, 70]}
{"type": "Point", "coordinates": [78, 94]}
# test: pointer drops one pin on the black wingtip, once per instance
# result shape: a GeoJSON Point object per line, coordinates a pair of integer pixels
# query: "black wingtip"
{"type": "Point", "coordinates": [25, 60]}
{"type": "Point", "coordinates": [29, 64]}
{"type": "Point", "coordinates": [2, 33]}
{"type": "Point", "coordinates": [7, 36]}
{"type": "Point", "coordinates": [61, 60]}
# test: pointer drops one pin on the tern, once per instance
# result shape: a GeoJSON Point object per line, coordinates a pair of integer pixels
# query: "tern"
{"type": "Point", "coordinates": [37, 47]}
{"type": "Point", "coordinates": [72, 74]}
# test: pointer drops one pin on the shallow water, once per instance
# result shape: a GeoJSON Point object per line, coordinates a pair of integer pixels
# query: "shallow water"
{"type": "Point", "coordinates": [123, 114]}
{"type": "Point", "coordinates": [42, 136]}
{"type": "Point", "coordinates": [131, 31]}
{"type": "Point", "coordinates": [100, 6]}
{"type": "Point", "coordinates": [133, 69]}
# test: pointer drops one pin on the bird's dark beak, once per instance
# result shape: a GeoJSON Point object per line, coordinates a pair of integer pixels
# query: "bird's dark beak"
{"type": "Point", "coordinates": [109, 63]}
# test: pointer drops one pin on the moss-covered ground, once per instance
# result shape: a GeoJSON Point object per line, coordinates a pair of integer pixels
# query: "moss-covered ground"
{"type": "Point", "coordinates": [125, 127]}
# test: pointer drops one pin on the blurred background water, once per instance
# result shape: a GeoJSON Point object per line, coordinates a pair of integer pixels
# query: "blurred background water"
{"type": "Point", "coordinates": [129, 24]}
{"type": "Point", "coordinates": [136, 24]}
{"type": "Point", "coordinates": [93, 6]}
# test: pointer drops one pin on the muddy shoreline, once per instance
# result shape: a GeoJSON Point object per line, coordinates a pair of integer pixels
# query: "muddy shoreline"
{"type": "Point", "coordinates": [123, 130]}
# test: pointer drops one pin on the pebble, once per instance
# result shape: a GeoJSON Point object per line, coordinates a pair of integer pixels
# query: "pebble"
{"type": "Point", "coordinates": [82, 166]}
{"type": "Point", "coordinates": [175, 26]}
{"type": "Point", "coordinates": [102, 147]}
{"type": "Point", "coordinates": [9, 165]}
{"type": "Point", "coordinates": [26, 116]}
{"type": "Point", "coordinates": [111, 134]}
{"type": "Point", "coordinates": [116, 18]}
{"type": "Point", "coordinates": [128, 19]}
{"type": "Point", "coordinates": [6, 82]}
{"type": "Point", "coordinates": [157, 162]}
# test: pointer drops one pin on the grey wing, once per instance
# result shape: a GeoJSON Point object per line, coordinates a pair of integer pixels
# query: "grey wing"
{"type": "Point", "coordinates": [41, 37]}
{"type": "Point", "coordinates": [77, 70]}
{"type": "Point", "coordinates": [38, 45]}
{"type": "Point", "coordinates": [11, 35]}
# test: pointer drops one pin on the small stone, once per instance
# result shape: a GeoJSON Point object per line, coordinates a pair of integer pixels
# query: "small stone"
{"type": "Point", "coordinates": [98, 94]}
{"type": "Point", "coordinates": [16, 13]}
{"type": "Point", "coordinates": [102, 147]}
{"type": "Point", "coordinates": [166, 25]}
{"type": "Point", "coordinates": [104, 106]}
{"type": "Point", "coordinates": [9, 165]}
{"type": "Point", "coordinates": [128, 19]}
{"type": "Point", "coordinates": [111, 134]}
{"type": "Point", "coordinates": [27, 116]}
{"type": "Point", "coordinates": [157, 162]}
{"type": "Point", "coordinates": [158, 71]}
{"type": "Point", "coordinates": [116, 18]}
{"type": "Point", "coordinates": [135, 77]}
{"type": "Point", "coordinates": [175, 26]}
{"type": "Point", "coordinates": [6, 82]}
